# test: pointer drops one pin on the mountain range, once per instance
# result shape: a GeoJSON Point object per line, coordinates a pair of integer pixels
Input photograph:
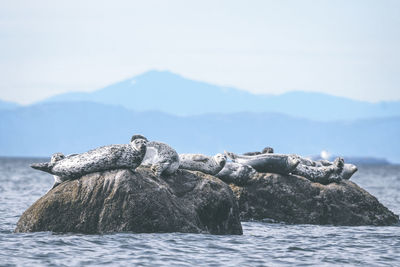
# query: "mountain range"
{"type": "Point", "coordinates": [196, 117]}
{"type": "Point", "coordinates": [173, 94]}
{"type": "Point", "coordinates": [5, 105]}
{"type": "Point", "coordinates": [43, 129]}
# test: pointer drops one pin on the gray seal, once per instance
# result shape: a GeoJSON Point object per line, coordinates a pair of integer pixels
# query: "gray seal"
{"type": "Point", "coordinates": [198, 162]}
{"type": "Point", "coordinates": [236, 173]}
{"type": "Point", "coordinates": [274, 163]}
{"type": "Point", "coordinates": [125, 156]}
{"type": "Point", "coordinates": [161, 158]}
{"type": "Point", "coordinates": [341, 170]}
{"type": "Point", "coordinates": [321, 174]}
{"type": "Point", "coordinates": [264, 151]}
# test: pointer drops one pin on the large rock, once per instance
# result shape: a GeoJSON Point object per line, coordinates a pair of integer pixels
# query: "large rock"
{"type": "Point", "coordinates": [294, 199]}
{"type": "Point", "coordinates": [121, 200]}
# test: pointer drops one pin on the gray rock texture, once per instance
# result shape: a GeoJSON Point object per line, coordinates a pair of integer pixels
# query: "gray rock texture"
{"type": "Point", "coordinates": [122, 200]}
{"type": "Point", "coordinates": [296, 200]}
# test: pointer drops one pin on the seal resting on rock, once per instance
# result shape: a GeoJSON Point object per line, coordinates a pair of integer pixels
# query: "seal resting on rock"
{"type": "Point", "coordinates": [275, 163]}
{"type": "Point", "coordinates": [347, 172]}
{"type": "Point", "coordinates": [264, 151]}
{"type": "Point", "coordinates": [321, 174]}
{"type": "Point", "coordinates": [341, 170]}
{"type": "Point", "coordinates": [125, 156]}
{"type": "Point", "coordinates": [161, 158]}
{"type": "Point", "coordinates": [198, 162]}
{"type": "Point", "coordinates": [236, 173]}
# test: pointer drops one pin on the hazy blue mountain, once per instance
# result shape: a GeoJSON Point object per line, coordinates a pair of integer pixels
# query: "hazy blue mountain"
{"type": "Point", "coordinates": [5, 105]}
{"type": "Point", "coordinates": [43, 129]}
{"type": "Point", "coordinates": [170, 93]}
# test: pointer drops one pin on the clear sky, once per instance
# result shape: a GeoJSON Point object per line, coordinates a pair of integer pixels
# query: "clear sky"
{"type": "Point", "coordinates": [341, 47]}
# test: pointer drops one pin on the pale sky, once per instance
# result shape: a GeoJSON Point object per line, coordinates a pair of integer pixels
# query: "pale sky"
{"type": "Point", "coordinates": [340, 47]}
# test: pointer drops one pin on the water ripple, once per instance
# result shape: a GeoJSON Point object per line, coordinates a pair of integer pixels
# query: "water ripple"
{"type": "Point", "coordinates": [262, 244]}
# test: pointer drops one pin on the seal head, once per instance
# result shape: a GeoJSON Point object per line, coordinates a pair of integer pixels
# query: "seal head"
{"type": "Point", "coordinates": [198, 162]}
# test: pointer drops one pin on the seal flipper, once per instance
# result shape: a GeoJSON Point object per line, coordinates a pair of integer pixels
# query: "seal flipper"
{"type": "Point", "coordinates": [157, 169]}
{"type": "Point", "coordinates": [47, 166]}
{"type": "Point", "coordinates": [338, 166]}
{"type": "Point", "coordinates": [44, 166]}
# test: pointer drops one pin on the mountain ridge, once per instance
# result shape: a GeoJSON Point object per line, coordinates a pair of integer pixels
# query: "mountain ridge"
{"type": "Point", "coordinates": [8, 105]}
{"type": "Point", "coordinates": [173, 94]}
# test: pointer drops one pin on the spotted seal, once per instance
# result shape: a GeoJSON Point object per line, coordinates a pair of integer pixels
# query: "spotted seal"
{"type": "Point", "coordinates": [198, 162]}
{"type": "Point", "coordinates": [341, 170]}
{"type": "Point", "coordinates": [236, 173]}
{"type": "Point", "coordinates": [347, 172]}
{"type": "Point", "coordinates": [125, 156]}
{"type": "Point", "coordinates": [161, 158]}
{"type": "Point", "coordinates": [321, 174]}
{"type": "Point", "coordinates": [275, 163]}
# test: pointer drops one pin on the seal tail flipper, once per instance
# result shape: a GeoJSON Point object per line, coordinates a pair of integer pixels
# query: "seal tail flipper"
{"type": "Point", "coordinates": [45, 166]}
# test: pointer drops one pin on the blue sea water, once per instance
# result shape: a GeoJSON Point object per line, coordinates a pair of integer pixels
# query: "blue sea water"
{"type": "Point", "coordinates": [261, 244]}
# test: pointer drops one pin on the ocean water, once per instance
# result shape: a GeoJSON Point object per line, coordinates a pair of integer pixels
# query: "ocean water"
{"type": "Point", "coordinates": [261, 244]}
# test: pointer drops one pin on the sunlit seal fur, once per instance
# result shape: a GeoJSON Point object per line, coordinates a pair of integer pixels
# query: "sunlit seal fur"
{"type": "Point", "coordinates": [198, 162]}
{"type": "Point", "coordinates": [125, 156]}
{"type": "Point", "coordinates": [54, 158]}
{"type": "Point", "coordinates": [161, 158]}
{"type": "Point", "coordinates": [273, 163]}
{"type": "Point", "coordinates": [236, 173]}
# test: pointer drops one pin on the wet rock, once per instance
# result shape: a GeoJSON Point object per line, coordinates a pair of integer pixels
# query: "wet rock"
{"type": "Point", "coordinates": [296, 200]}
{"type": "Point", "coordinates": [126, 201]}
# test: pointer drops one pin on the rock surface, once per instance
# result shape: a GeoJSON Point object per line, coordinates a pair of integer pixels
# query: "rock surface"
{"type": "Point", "coordinates": [122, 200]}
{"type": "Point", "coordinates": [294, 199]}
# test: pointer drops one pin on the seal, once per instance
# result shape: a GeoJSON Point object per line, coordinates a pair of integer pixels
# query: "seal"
{"type": "Point", "coordinates": [236, 173]}
{"type": "Point", "coordinates": [264, 151]}
{"type": "Point", "coordinates": [198, 162]}
{"type": "Point", "coordinates": [346, 170]}
{"type": "Point", "coordinates": [125, 156]}
{"type": "Point", "coordinates": [161, 158]}
{"type": "Point", "coordinates": [275, 163]}
{"type": "Point", "coordinates": [321, 174]}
